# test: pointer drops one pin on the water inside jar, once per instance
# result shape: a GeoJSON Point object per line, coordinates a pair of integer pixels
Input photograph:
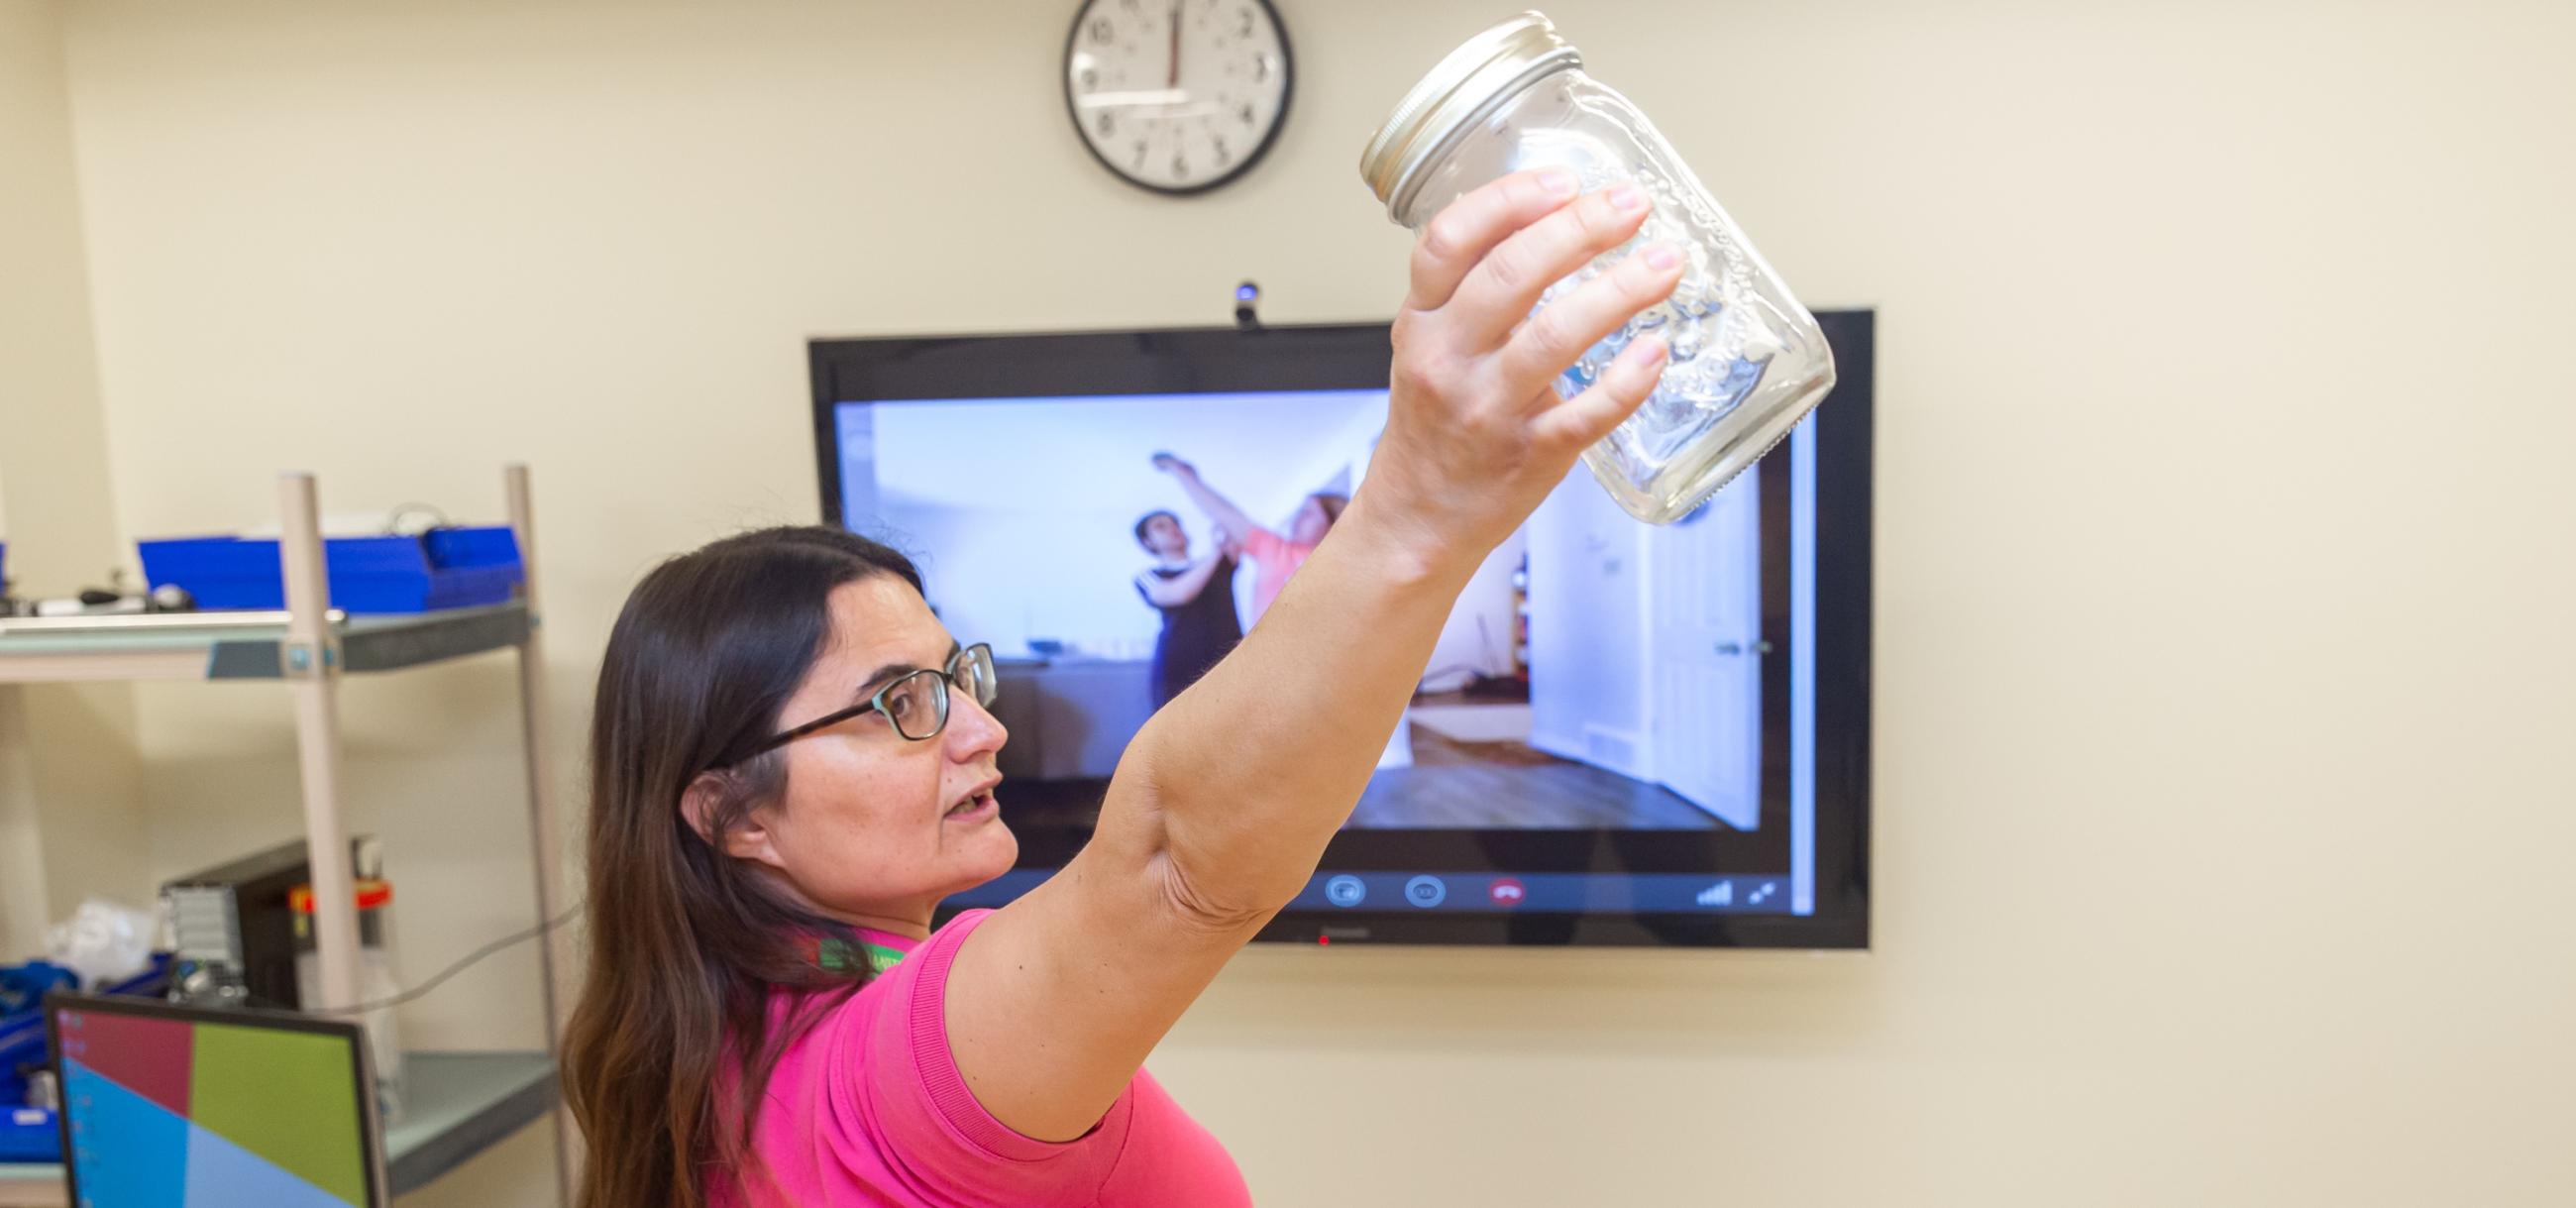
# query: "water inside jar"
{"type": "Point", "coordinates": [1714, 324]}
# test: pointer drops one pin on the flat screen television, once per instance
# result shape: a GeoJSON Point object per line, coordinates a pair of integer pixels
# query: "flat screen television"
{"type": "Point", "coordinates": [1626, 734]}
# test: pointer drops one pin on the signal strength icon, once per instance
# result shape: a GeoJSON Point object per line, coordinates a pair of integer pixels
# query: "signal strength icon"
{"type": "Point", "coordinates": [1720, 894]}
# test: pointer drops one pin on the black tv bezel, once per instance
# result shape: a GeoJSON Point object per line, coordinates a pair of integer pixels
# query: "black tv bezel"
{"type": "Point", "coordinates": [1357, 356]}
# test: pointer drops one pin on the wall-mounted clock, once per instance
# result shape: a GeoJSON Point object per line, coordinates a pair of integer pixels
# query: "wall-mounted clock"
{"type": "Point", "coordinates": [1177, 96]}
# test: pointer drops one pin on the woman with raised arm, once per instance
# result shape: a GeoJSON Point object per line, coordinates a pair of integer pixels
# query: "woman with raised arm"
{"type": "Point", "coordinates": [793, 763]}
{"type": "Point", "coordinates": [1275, 556]}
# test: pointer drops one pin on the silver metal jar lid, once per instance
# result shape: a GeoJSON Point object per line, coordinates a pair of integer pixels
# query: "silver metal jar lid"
{"type": "Point", "coordinates": [1480, 75]}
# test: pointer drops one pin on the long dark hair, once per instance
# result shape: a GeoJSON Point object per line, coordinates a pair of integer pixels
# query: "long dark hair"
{"type": "Point", "coordinates": [685, 941]}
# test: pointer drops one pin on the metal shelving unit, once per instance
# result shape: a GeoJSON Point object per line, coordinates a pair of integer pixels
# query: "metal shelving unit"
{"type": "Point", "coordinates": [456, 1104]}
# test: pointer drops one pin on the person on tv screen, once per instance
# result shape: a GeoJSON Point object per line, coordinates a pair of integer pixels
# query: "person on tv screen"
{"type": "Point", "coordinates": [793, 762]}
{"type": "Point", "coordinates": [1274, 557]}
{"type": "Point", "coordinates": [1196, 598]}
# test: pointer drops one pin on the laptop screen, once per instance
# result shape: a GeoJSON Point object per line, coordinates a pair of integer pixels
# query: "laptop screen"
{"type": "Point", "coordinates": [177, 1107]}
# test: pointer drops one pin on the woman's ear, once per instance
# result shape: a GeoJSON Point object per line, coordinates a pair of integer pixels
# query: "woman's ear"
{"type": "Point", "coordinates": [702, 804]}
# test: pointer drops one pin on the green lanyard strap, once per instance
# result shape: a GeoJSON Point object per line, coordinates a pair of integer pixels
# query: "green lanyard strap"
{"type": "Point", "coordinates": [838, 955]}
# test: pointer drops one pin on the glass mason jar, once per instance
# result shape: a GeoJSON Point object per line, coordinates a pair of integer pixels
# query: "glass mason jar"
{"type": "Point", "coordinates": [1747, 362]}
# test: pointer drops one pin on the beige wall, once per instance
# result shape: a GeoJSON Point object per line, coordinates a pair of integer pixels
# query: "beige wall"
{"type": "Point", "coordinates": [71, 801]}
{"type": "Point", "coordinates": [2224, 573]}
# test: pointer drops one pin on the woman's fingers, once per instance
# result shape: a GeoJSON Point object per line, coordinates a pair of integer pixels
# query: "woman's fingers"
{"type": "Point", "coordinates": [1461, 235]}
{"type": "Point", "coordinates": [1559, 333]}
{"type": "Point", "coordinates": [1503, 287]}
{"type": "Point", "coordinates": [1587, 417]}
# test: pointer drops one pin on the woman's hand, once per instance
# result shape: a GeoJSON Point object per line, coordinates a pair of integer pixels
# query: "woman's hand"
{"type": "Point", "coordinates": [1476, 435]}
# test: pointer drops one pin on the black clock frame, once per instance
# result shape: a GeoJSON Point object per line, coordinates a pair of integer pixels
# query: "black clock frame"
{"type": "Point", "coordinates": [1287, 101]}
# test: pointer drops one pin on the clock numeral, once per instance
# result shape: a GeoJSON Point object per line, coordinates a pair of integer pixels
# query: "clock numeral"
{"type": "Point", "coordinates": [1223, 156]}
{"type": "Point", "coordinates": [1108, 123]}
{"type": "Point", "coordinates": [1245, 113]}
{"type": "Point", "coordinates": [1140, 155]}
{"type": "Point", "coordinates": [1090, 79]}
{"type": "Point", "coordinates": [1245, 31]}
{"type": "Point", "coordinates": [1261, 69]}
{"type": "Point", "coordinates": [1102, 31]}
{"type": "Point", "coordinates": [1180, 166]}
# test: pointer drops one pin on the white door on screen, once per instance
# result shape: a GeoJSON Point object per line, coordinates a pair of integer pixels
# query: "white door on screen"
{"type": "Point", "coordinates": [1589, 687]}
{"type": "Point", "coordinates": [1703, 649]}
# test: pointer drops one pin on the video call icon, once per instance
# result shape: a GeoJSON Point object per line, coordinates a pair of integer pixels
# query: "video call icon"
{"type": "Point", "coordinates": [1425, 892]}
{"type": "Point", "coordinates": [1345, 891]}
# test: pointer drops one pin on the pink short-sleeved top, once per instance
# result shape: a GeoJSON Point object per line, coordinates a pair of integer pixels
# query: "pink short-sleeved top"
{"type": "Point", "coordinates": [1274, 559]}
{"type": "Point", "coordinates": [868, 1109]}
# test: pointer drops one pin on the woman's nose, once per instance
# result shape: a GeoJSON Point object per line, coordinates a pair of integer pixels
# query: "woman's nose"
{"type": "Point", "coordinates": [972, 729]}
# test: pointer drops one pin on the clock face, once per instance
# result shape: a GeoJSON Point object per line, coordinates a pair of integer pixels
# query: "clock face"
{"type": "Point", "coordinates": [1177, 96]}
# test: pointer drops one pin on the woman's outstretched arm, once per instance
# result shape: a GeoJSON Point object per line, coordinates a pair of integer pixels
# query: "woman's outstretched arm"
{"type": "Point", "coordinates": [1224, 801]}
{"type": "Point", "coordinates": [1218, 508]}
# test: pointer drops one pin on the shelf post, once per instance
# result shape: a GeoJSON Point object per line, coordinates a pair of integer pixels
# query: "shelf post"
{"type": "Point", "coordinates": [311, 657]}
{"type": "Point", "coordinates": [544, 827]}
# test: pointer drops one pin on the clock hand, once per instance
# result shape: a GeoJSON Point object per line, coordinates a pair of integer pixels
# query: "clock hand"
{"type": "Point", "coordinates": [1174, 81]}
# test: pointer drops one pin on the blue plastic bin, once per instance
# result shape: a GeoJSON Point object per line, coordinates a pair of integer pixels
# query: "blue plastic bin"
{"type": "Point", "coordinates": [445, 568]}
{"type": "Point", "coordinates": [27, 1135]}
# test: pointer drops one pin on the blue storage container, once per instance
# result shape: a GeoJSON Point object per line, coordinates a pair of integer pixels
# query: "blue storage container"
{"type": "Point", "coordinates": [462, 548]}
{"type": "Point", "coordinates": [30, 1134]}
{"type": "Point", "coordinates": [444, 568]}
{"type": "Point", "coordinates": [26, 1134]}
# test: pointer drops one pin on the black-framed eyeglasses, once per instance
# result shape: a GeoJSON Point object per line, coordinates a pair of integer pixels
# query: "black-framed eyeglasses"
{"type": "Point", "coordinates": [916, 702]}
